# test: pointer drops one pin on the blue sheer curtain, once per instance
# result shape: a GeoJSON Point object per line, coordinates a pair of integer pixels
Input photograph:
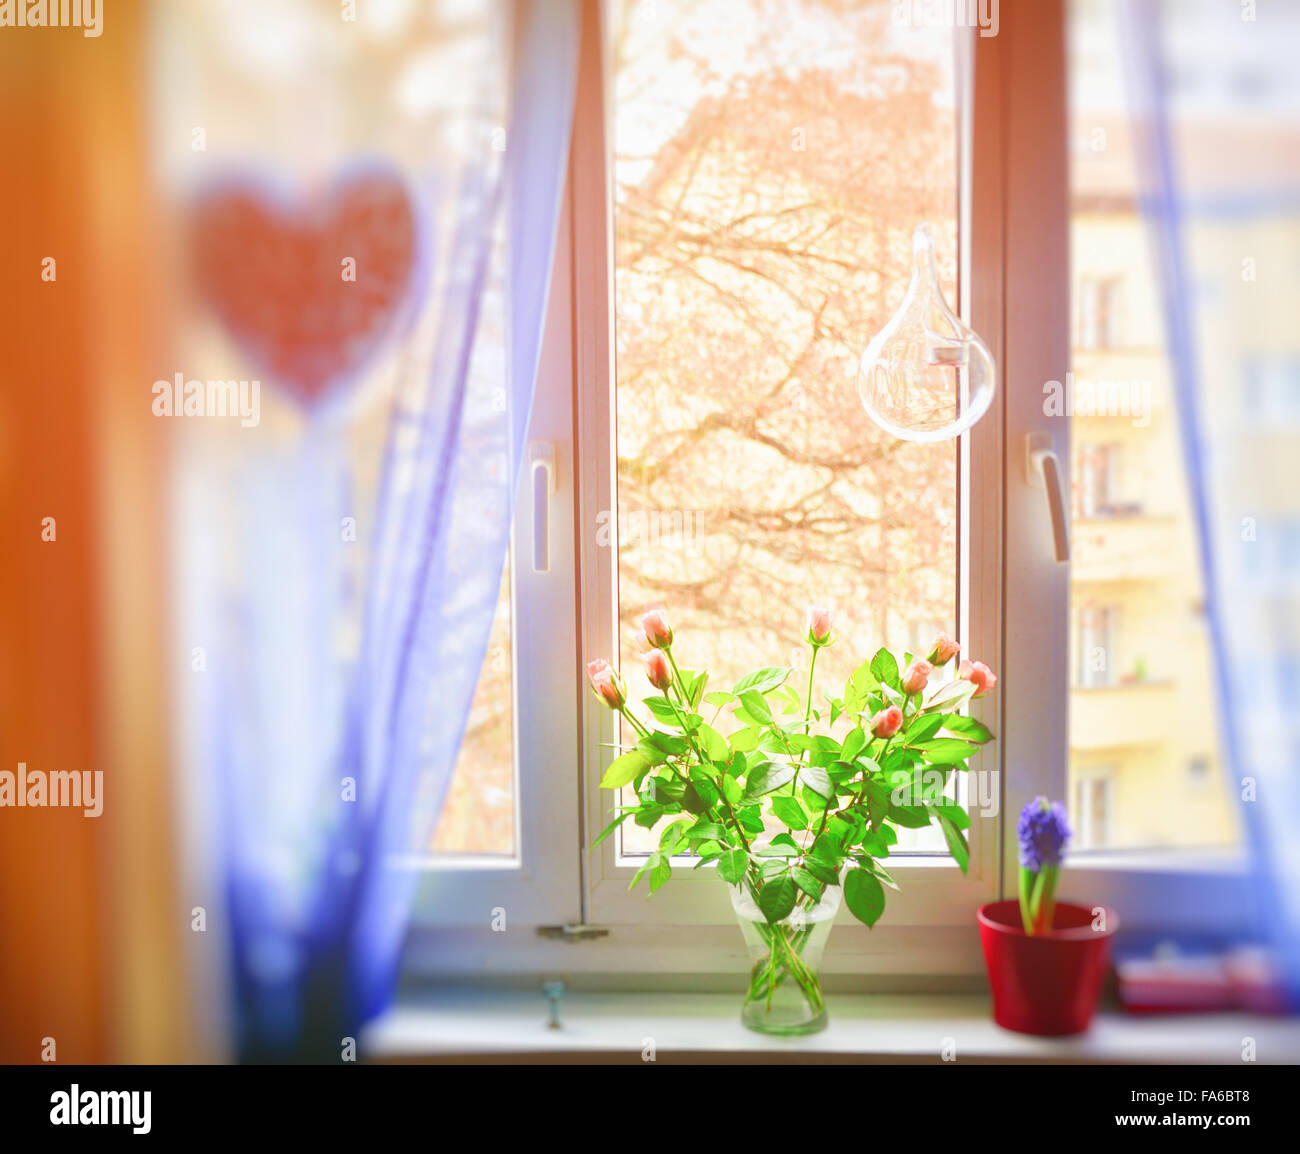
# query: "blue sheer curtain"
{"type": "Point", "coordinates": [1216, 116]}
{"type": "Point", "coordinates": [328, 761]}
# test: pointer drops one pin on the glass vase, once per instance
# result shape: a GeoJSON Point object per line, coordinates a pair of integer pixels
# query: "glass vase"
{"type": "Point", "coordinates": [785, 989]}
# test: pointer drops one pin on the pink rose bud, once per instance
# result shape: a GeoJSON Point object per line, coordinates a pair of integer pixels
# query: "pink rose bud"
{"type": "Point", "coordinates": [944, 649]}
{"type": "Point", "coordinates": [887, 722]}
{"type": "Point", "coordinates": [917, 676]}
{"type": "Point", "coordinates": [658, 633]}
{"type": "Point", "coordinates": [605, 683]}
{"type": "Point", "coordinates": [819, 626]}
{"type": "Point", "coordinates": [658, 670]}
{"type": "Point", "coordinates": [979, 674]}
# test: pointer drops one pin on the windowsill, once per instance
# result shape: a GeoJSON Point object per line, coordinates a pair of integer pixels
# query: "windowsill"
{"type": "Point", "coordinates": [460, 1025]}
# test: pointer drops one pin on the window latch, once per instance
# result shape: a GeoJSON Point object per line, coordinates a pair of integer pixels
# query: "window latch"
{"type": "Point", "coordinates": [542, 456]}
{"type": "Point", "coordinates": [573, 932]}
{"type": "Point", "coordinates": [1043, 471]}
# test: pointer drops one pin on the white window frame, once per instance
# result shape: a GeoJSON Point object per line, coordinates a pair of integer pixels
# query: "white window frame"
{"type": "Point", "coordinates": [539, 884]}
{"type": "Point", "coordinates": [934, 892]}
{"type": "Point", "coordinates": [1178, 891]}
{"type": "Point", "coordinates": [1015, 293]}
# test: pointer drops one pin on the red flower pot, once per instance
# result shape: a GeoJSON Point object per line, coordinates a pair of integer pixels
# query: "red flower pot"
{"type": "Point", "coordinates": [1047, 983]}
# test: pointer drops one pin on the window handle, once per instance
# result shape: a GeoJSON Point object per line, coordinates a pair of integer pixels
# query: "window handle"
{"type": "Point", "coordinates": [541, 455]}
{"type": "Point", "coordinates": [1043, 471]}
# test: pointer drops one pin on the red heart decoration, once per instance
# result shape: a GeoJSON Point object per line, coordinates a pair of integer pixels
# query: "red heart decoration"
{"type": "Point", "coordinates": [275, 274]}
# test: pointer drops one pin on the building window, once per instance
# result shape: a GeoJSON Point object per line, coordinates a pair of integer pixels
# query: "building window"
{"type": "Point", "coordinates": [1099, 312]}
{"type": "Point", "coordinates": [1094, 487]}
{"type": "Point", "coordinates": [1094, 665]}
{"type": "Point", "coordinates": [1092, 809]}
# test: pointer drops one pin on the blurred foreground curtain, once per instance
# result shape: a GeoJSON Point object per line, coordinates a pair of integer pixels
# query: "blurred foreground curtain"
{"type": "Point", "coordinates": [1216, 104]}
{"type": "Point", "coordinates": [340, 600]}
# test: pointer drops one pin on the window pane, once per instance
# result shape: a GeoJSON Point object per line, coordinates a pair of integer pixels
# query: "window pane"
{"type": "Point", "coordinates": [772, 161]}
{"type": "Point", "coordinates": [479, 817]}
{"type": "Point", "coordinates": [1145, 770]}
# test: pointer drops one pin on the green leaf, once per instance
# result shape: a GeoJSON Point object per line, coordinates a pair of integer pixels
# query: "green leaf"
{"type": "Point", "coordinates": [648, 814]}
{"type": "Point", "coordinates": [732, 790]}
{"type": "Point", "coordinates": [732, 866]}
{"type": "Point", "coordinates": [660, 872]}
{"type": "Point", "coordinates": [865, 896]}
{"type": "Point", "coordinates": [788, 810]}
{"type": "Point", "coordinates": [674, 835]}
{"type": "Point", "coordinates": [762, 680]}
{"type": "Point", "coordinates": [860, 685]}
{"type": "Point", "coordinates": [954, 813]}
{"type": "Point", "coordinates": [885, 668]}
{"type": "Point", "coordinates": [625, 769]}
{"type": "Point", "coordinates": [713, 743]}
{"type": "Point", "coordinates": [777, 849]}
{"type": "Point", "coordinates": [944, 750]}
{"type": "Point", "coordinates": [949, 697]}
{"type": "Point", "coordinates": [658, 745]}
{"type": "Point", "coordinates": [766, 777]}
{"type": "Point", "coordinates": [808, 883]}
{"type": "Point", "coordinates": [882, 873]}
{"type": "Point", "coordinates": [756, 706]}
{"type": "Point", "coordinates": [664, 710]}
{"type": "Point", "coordinates": [921, 726]}
{"type": "Point", "coordinates": [707, 829]}
{"type": "Point", "coordinates": [692, 802]}
{"type": "Point", "coordinates": [776, 899]}
{"type": "Point", "coordinates": [667, 789]}
{"type": "Point", "coordinates": [875, 843]}
{"type": "Point", "coordinates": [750, 819]}
{"type": "Point", "coordinates": [818, 780]}
{"type": "Point", "coordinates": [718, 698]}
{"type": "Point", "coordinates": [826, 849]}
{"type": "Point", "coordinates": [813, 802]}
{"type": "Point", "coordinates": [956, 842]}
{"type": "Point", "coordinates": [704, 784]}
{"type": "Point", "coordinates": [745, 740]}
{"type": "Point", "coordinates": [822, 871]}
{"type": "Point", "coordinates": [967, 727]}
{"type": "Point", "coordinates": [735, 764]}
{"type": "Point", "coordinates": [613, 825]}
{"type": "Point", "coordinates": [695, 683]}
{"type": "Point", "coordinates": [854, 740]}
{"type": "Point", "coordinates": [910, 816]}
{"type": "Point", "coordinates": [649, 863]}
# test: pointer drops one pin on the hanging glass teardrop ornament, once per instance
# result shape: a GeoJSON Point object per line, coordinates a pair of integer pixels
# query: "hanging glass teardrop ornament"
{"type": "Point", "coordinates": [925, 376]}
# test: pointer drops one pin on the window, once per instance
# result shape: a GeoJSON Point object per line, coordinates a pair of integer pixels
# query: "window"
{"type": "Point", "coordinates": [1095, 480]}
{"type": "Point", "coordinates": [1091, 810]}
{"type": "Point", "coordinates": [1099, 312]}
{"type": "Point", "coordinates": [479, 815]}
{"type": "Point", "coordinates": [1142, 694]}
{"type": "Point", "coordinates": [750, 272]}
{"type": "Point", "coordinates": [1094, 650]}
{"type": "Point", "coordinates": [720, 268]}
{"type": "Point", "coordinates": [749, 276]}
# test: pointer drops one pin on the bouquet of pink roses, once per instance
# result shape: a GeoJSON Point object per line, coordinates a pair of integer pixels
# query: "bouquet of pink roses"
{"type": "Point", "coordinates": [800, 797]}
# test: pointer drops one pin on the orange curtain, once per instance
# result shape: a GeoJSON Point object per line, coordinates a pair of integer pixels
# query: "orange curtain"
{"type": "Point", "coordinates": [90, 925]}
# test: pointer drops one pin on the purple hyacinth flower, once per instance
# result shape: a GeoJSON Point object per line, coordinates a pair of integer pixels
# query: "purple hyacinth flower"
{"type": "Point", "coordinates": [1043, 831]}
